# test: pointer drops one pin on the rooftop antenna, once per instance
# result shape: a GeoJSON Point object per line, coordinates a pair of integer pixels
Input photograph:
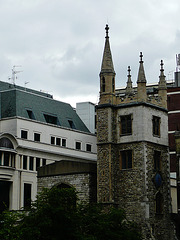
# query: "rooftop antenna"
{"type": "Point", "coordinates": [177, 62]}
{"type": "Point", "coordinates": [25, 83]}
{"type": "Point", "coordinates": [170, 75]}
{"type": "Point", "coordinates": [14, 72]}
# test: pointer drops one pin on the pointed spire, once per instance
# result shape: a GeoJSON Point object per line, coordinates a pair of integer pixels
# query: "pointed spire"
{"type": "Point", "coordinates": [141, 74]}
{"type": "Point", "coordinates": [162, 81]}
{"type": "Point", "coordinates": [107, 63]}
{"type": "Point", "coordinates": [129, 88]}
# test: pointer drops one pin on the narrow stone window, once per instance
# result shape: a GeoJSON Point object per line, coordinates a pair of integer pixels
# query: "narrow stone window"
{"type": "Point", "coordinates": [58, 141]}
{"type": "Point", "coordinates": [52, 140]}
{"type": "Point", "coordinates": [78, 145]}
{"type": "Point", "coordinates": [103, 85]}
{"type": "Point", "coordinates": [88, 147]}
{"type": "Point", "coordinates": [24, 162]}
{"type": "Point", "coordinates": [113, 85]}
{"type": "Point", "coordinates": [37, 137]}
{"type": "Point", "coordinates": [31, 163]}
{"type": "Point", "coordinates": [6, 159]}
{"type": "Point", "coordinates": [159, 203]}
{"type": "Point", "coordinates": [157, 160]}
{"type": "Point", "coordinates": [63, 142]}
{"type": "Point", "coordinates": [126, 159]}
{"type": "Point", "coordinates": [156, 125]}
{"type": "Point", "coordinates": [126, 124]}
{"type": "Point", "coordinates": [37, 163]}
{"type": "Point", "coordinates": [24, 134]}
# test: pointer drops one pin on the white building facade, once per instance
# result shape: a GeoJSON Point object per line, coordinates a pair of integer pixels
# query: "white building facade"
{"type": "Point", "coordinates": [36, 130]}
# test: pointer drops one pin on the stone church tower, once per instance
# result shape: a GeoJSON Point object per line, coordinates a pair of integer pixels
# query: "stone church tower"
{"type": "Point", "coordinates": [132, 140]}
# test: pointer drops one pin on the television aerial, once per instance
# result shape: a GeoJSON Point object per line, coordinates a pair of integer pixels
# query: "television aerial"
{"type": "Point", "coordinates": [14, 73]}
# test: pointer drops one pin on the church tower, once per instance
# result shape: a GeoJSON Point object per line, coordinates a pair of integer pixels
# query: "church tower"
{"type": "Point", "coordinates": [132, 145]}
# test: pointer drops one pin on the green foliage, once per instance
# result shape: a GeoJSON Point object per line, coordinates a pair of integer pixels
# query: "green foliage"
{"type": "Point", "coordinates": [56, 215]}
{"type": "Point", "coordinates": [52, 215]}
{"type": "Point", "coordinates": [9, 225]}
{"type": "Point", "coordinates": [97, 224]}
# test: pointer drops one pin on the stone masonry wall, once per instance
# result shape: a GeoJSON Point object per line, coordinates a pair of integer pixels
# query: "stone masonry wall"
{"type": "Point", "coordinates": [84, 183]}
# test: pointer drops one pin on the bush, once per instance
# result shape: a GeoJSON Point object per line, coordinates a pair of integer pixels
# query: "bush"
{"type": "Point", "coordinates": [56, 215]}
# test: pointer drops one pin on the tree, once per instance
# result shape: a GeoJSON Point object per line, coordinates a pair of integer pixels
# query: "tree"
{"type": "Point", "coordinates": [56, 215]}
{"type": "Point", "coordinates": [97, 224]}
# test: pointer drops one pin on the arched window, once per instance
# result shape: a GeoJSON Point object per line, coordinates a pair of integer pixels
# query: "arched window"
{"type": "Point", "coordinates": [7, 155]}
{"type": "Point", "coordinates": [159, 203]}
{"type": "Point", "coordinates": [103, 85]}
{"type": "Point", "coordinates": [6, 143]}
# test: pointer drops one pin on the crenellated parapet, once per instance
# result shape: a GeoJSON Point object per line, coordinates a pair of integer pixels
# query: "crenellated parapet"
{"type": "Point", "coordinates": [140, 94]}
{"type": "Point", "coordinates": [107, 83]}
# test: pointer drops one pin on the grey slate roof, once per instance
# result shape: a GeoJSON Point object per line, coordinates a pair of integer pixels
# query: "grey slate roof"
{"type": "Point", "coordinates": [15, 101]}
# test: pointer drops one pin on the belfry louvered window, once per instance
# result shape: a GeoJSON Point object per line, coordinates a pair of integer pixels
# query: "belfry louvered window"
{"type": "Point", "coordinates": [126, 124]}
{"type": "Point", "coordinates": [126, 159]}
{"type": "Point", "coordinates": [103, 84]}
{"type": "Point", "coordinates": [156, 125]}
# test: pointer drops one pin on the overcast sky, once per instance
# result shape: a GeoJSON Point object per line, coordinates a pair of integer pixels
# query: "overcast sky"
{"type": "Point", "coordinates": [59, 43]}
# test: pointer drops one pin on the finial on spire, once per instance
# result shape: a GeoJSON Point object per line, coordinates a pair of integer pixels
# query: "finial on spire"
{"type": "Point", "coordinates": [129, 89]}
{"type": "Point", "coordinates": [129, 71]}
{"type": "Point", "coordinates": [107, 30]}
{"type": "Point", "coordinates": [141, 56]}
{"type": "Point", "coordinates": [162, 68]}
{"type": "Point", "coordinates": [162, 64]}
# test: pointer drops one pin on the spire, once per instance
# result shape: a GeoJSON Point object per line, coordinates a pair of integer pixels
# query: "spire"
{"type": "Point", "coordinates": [129, 82]}
{"type": "Point", "coordinates": [162, 81]}
{"type": "Point", "coordinates": [107, 63]}
{"type": "Point", "coordinates": [141, 74]}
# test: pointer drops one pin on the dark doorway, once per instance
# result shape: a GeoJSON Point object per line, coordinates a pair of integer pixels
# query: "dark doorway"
{"type": "Point", "coordinates": [27, 195]}
{"type": "Point", "coordinates": [4, 195]}
{"type": "Point", "coordinates": [63, 185]}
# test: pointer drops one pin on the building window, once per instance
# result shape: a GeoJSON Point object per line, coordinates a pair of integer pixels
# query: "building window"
{"type": "Point", "coordinates": [37, 137]}
{"type": "Point", "coordinates": [156, 125]}
{"type": "Point", "coordinates": [44, 162]}
{"type": "Point", "coordinates": [78, 145]}
{"type": "Point", "coordinates": [126, 159]}
{"type": "Point", "coordinates": [126, 124]}
{"type": "Point", "coordinates": [24, 162]}
{"type": "Point", "coordinates": [52, 140]}
{"type": "Point", "coordinates": [24, 134]}
{"type": "Point", "coordinates": [58, 141]}
{"type": "Point", "coordinates": [103, 85]}
{"type": "Point", "coordinates": [37, 163]}
{"type": "Point", "coordinates": [63, 142]}
{"type": "Point", "coordinates": [51, 119]}
{"type": "Point", "coordinates": [30, 114]}
{"type": "Point", "coordinates": [6, 159]}
{"type": "Point", "coordinates": [88, 147]}
{"type": "Point", "coordinates": [31, 163]}
{"type": "Point", "coordinates": [159, 203]}
{"type": "Point", "coordinates": [113, 85]}
{"type": "Point", "coordinates": [27, 195]}
{"type": "Point", "coordinates": [71, 124]}
{"type": "Point", "coordinates": [157, 160]}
